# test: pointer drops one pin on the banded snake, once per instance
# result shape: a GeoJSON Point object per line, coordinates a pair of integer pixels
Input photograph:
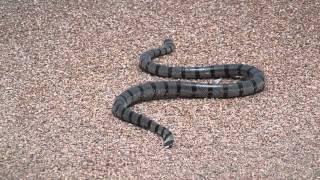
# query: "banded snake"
{"type": "Point", "coordinates": [250, 81]}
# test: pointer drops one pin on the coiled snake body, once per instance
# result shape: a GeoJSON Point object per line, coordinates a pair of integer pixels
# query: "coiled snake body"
{"type": "Point", "coordinates": [251, 82]}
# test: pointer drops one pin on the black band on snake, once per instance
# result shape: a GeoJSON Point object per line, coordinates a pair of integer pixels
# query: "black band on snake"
{"type": "Point", "coordinates": [251, 81]}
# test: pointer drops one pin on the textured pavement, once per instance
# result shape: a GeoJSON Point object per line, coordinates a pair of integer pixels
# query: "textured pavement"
{"type": "Point", "coordinates": [62, 63]}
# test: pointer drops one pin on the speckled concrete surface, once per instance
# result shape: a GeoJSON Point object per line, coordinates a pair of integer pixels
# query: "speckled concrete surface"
{"type": "Point", "coordinates": [63, 63]}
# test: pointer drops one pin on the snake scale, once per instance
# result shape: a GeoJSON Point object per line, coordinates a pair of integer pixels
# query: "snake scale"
{"type": "Point", "coordinates": [250, 81]}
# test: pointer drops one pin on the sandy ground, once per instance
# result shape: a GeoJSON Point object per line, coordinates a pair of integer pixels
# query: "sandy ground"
{"type": "Point", "coordinates": [64, 62]}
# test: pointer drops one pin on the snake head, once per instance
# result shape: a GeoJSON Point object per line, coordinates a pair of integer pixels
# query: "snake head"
{"type": "Point", "coordinates": [169, 43]}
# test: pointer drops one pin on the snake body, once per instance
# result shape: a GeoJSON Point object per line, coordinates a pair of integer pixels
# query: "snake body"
{"type": "Point", "coordinates": [251, 82]}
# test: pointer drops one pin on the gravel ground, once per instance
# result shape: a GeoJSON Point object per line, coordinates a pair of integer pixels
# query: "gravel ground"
{"type": "Point", "coordinates": [64, 62]}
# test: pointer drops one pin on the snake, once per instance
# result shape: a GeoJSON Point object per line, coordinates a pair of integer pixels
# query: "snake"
{"type": "Point", "coordinates": [249, 80]}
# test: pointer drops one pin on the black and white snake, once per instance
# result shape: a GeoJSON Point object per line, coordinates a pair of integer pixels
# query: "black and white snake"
{"type": "Point", "coordinates": [250, 81]}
